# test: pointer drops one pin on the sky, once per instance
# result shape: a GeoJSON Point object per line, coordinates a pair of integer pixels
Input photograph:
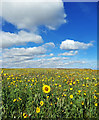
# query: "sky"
{"type": "Point", "coordinates": [48, 34]}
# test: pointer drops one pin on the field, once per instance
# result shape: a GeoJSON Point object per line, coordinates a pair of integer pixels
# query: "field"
{"type": "Point", "coordinates": [49, 93]}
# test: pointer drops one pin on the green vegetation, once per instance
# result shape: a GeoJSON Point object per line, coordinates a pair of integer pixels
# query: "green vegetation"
{"type": "Point", "coordinates": [49, 93]}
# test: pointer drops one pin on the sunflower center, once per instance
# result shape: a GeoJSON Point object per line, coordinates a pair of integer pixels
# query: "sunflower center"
{"type": "Point", "coordinates": [46, 88]}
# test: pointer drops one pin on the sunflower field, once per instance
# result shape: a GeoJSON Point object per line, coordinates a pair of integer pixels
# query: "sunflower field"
{"type": "Point", "coordinates": [35, 93]}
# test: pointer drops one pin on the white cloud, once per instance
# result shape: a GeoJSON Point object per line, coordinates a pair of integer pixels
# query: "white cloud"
{"type": "Point", "coordinates": [73, 62]}
{"type": "Point", "coordinates": [58, 58]}
{"type": "Point", "coordinates": [51, 60]}
{"type": "Point", "coordinates": [16, 57]}
{"type": "Point", "coordinates": [70, 53]}
{"type": "Point", "coordinates": [50, 55]}
{"type": "Point", "coordinates": [28, 15]}
{"type": "Point", "coordinates": [54, 62]}
{"type": "Point", "coordinates": [74, 45]}
{"type": "Point", "coordinates": [50, 44]}
{"type": "Point", "coordinates": [23, 54]}
{"type": "Point", "coordinates": [28, 61]}
{"type": "Point", "coordinates": [24, 51]}
{"type": "Point", "coordinates": [33, 61]}
{"type": "Point", "coordinates": [8, 39]}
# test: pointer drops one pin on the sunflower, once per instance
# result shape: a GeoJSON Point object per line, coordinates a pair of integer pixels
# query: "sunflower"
{"type": "Point", "coordinates": [46, 89]}
{"type": "Point", "coordinates": [47, 97]}
{"type": "Point", "coordinates": [82, 103]}
{"type": "Point", "coordinates": [96, 104]}
{"type": "Point", "coordinates": [14, 100]}
{"type": "Point", "coordinates": [71, 96]}
{"type": "Point", "coordinates": [59, 85]}
{"type": "Point", "coordinates": [70, 83]}
{"type": "Point", "coordinates": [71, 103]}
{"type": "Point", "coordinates": [71, 88]}
{"type": "Point", "coordinates": [25, 115]}
{"type": "Point", "coordinates": [79, 91]}
{"type": "Point", "coordinates": [51, 104]}
{"type": "Point", "coordinates": [37, 110]}
{"type": "Point", "coordinates": [41, 103]}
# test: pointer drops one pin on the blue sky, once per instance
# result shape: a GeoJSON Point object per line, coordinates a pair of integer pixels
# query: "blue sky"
{"type": "Point", "coordinates": [67, 36]}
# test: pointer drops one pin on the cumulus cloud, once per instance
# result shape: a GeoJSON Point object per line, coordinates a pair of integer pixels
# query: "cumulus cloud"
{"type": "Point", "coordinates": [54, 62]}
{"type": "Point", "coordinates": [70, 53]}
{"type": "Point", "coordinates": [16, 59]}
{"type": "Point", "coordinates": [50, 55]}
{"type": "Point", "coordinates": [24, 51]}
{"type": "Point", "coordinates": [58, 58]}
{"type": "Point", "coordinates": [8, 39]}
{"type": "Point", "coordinates": [48, 64]}
{"type": "Point", "coordinates": [29, 61]}
{"type": "Point", "coordinates": [73, 62]}
{"type": "Point", "coordinates": [50, 44]}
{"type": "Point", "coordinates": [14, 55]}
{"type": "Point", "coordinates": [27, 51]}
{"type": "Point", "coordinates": [52, 59]}
{"type": "Point", "coordinates": [74, 45]}
{"type": "Point", "coordinates": [23, 58]}
{"type": "Point", "coordinates": [30, 14]}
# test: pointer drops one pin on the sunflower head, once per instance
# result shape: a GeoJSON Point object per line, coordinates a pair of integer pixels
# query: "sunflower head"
{"type": "Point", "coordinates": [37, 110]}
{"type": "Point", "coordinates": [25, 115]}
{"type": "Point", "coordinates": [96, 104]}
{"type": "Point", "coordinates": [71, 96]}
{"type": "Point", "coordinates": [46, 89]}
{"type": "Point", "coordinates": [41, 103]}
{"type": "Point", "coordinates": [71, 103]}
{"type": "Point", "coordinates": [82, 103]}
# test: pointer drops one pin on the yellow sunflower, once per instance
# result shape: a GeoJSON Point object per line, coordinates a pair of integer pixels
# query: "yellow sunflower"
{"type": "Point", "coordinates": [14, 100]}
{"type": "Point", "coordinates": [71, 103]}
{"type": "Point", "coordinates": [37, 110]}
{"type": "Point", "coordinates": [71, 96]}
{"type": "Point", "coordinates": [41, 103]}
{"type": "Point", "coordinates": [46, 89]}
{"type": "Point", "coordinates": [82, 103]}
{"type": "Point", "coordinates": [96, 104]}
{"type": "Point", "coordinates": [25, 115]}
{"type": "Point", "coordinates": [71, 88]}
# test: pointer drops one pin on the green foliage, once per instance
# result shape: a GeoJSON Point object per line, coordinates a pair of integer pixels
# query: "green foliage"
{"type": "Point", "coordinates": [73, 93]}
